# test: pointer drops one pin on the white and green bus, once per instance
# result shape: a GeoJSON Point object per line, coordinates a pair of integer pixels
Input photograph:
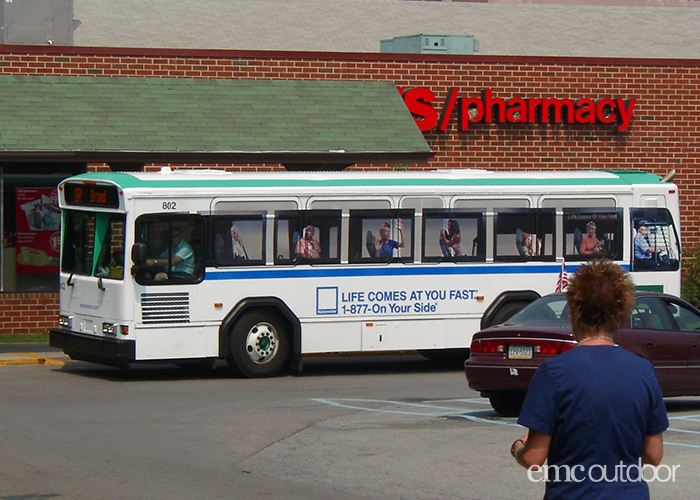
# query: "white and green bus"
{"type": "Point", "coordinates": [261, 269]}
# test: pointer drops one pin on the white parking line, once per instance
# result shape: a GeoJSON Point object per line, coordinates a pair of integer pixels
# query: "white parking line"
{"type": "Point", "coordinates": [690, 418]}
{"type": "Point", "coordinates": [441, 411]}
{"type": "Point", "coordinates": [472, 415]}
{"type": "Point", "coordinates": [685, 431]}
{"type": "Point", "coordinates": [492, 420]}
{"type": "Point", "coordinates": [346, 403]}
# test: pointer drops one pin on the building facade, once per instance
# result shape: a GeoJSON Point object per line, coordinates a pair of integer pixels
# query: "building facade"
{"type": "Point", "coordinates": [627, 114]}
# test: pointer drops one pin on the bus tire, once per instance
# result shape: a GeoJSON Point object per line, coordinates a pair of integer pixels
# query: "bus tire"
{"type": "Point", "coordinates": [259, 345]}
{"type": "Point", "coordinates": [446, 357]}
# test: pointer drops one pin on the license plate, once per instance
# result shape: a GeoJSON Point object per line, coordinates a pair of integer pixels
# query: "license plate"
{"type": "Point", "coordinates": [519, 351]}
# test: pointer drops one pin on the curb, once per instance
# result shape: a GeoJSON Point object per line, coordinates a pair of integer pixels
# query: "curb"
{"type": "Point", "coordinates": [27, 358]}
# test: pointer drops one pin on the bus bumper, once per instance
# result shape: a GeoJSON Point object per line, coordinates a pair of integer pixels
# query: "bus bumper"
{"type": "Point", "coordinates": [101, 350]}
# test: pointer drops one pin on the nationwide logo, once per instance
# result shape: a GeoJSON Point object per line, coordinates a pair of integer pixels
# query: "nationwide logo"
{"type": "Point", "coordinates": [489, 109]}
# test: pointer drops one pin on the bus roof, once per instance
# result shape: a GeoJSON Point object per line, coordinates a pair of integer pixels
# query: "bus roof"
{"type": "Point", "coordinates": [200, 178]}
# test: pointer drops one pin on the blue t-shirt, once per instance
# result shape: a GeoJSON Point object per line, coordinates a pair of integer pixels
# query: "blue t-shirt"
{"type": "Point", "coordinates": [598, 403]}
{"type": "Point", "coordinates": [387, 249]}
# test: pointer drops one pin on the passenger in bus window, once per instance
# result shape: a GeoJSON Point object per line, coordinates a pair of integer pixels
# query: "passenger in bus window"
{"type": "Point", "coordinates": [451, 240]}
{"type": "Point", "coordinates": [384, 247]}
{"type": "Point", "coordinates": [229, 246]}
{"type": "Point", "coordinates": [308, 247]}
{"type": "Point", "coordinates": [182, 263]}
{"type": "Point", "coordinates": [525, 242]}
{"type": "Point", "coordinates": [590, 245]}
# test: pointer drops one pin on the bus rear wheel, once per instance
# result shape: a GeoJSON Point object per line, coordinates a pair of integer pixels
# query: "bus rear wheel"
{"type": "Point", "coordinates": [259, 345]}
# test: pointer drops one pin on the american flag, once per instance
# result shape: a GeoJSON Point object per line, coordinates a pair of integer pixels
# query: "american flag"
{"type": "Point", "coordinates": [562, 280]}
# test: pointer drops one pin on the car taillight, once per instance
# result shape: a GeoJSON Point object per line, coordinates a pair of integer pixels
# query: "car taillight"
{"type": "Point", "coordinates": [547, 347]}
{"type": "Point", "coordinates": [489, 346]}
{"type": "Point", "coordinates": [541, 347]}
{"type": "Point", "coordinates": [567, 346]}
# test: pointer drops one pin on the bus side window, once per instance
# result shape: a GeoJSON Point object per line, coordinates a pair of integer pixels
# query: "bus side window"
{"type": "Point", "coordinates": [592, 233]}
{"type": "Point", "coordinates": [288, 232]}
{"type": "Point", "coordinates": [237, 240]}
{"type": "Point", "coordinates": [525, 234]}
{"type": "Point", "coordinates": [452, 236]}
{"type": "Point", "coordinates": [381, 235]}
{"type": "Point", "coordinates": [319, 241]}
{"type": "Point", "coordinates": [307, 237]}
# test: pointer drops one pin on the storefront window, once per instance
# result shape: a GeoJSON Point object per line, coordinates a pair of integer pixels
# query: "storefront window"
{"type": "Point", "coordinates": [31, 225]}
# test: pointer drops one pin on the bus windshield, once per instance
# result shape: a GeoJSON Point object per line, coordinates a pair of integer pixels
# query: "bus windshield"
{"type": "Point", "coordinates": [93, 244]}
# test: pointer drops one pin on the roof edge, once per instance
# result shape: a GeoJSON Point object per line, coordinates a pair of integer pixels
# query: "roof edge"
{"type": "Point", "coordinates": [347, 56]}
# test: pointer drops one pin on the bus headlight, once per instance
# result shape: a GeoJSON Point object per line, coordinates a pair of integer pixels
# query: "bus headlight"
{"type": "Point", "coordinates": [65, 321]}
{"type": "Point", "coordinates": [110, 328]}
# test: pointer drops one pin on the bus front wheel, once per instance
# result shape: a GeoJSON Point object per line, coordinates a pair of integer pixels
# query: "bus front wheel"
{"type": "Point", "coordinates": [259, 345]}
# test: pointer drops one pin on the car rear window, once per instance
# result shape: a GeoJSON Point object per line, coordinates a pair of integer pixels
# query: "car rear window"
{"type": "Point", "coordinates": [546, 310]}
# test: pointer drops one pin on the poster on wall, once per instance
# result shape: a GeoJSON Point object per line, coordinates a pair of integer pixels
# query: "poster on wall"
{"type": "Point", "coordinates": [38, 230]}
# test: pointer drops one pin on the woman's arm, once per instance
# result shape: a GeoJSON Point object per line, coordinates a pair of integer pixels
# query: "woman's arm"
{"type": "Point", "coordinates": [443, 236]}
{"type": "Point", "coordinates": [532, 448]}
{"type": "Point", "coordinates": [399, 226]}
{"type": "Point", "coordinates": [653, 450]}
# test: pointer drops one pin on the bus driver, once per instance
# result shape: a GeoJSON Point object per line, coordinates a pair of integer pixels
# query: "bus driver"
{"type": "Point", "coordinates": [182, 263]}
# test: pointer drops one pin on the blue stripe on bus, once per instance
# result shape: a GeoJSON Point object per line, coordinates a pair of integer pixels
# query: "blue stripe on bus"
{"type": "Point", "coordinates": [408, 270]}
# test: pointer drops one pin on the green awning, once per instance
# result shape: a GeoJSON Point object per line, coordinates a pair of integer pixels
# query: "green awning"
{"type": "Point", "coordinates": [151, 120]}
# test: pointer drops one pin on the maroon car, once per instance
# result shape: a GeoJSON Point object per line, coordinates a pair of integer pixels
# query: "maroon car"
{"type": "Point", "coordinates": [662, 328]}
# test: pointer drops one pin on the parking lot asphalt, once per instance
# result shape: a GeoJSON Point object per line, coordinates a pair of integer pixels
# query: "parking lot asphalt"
{"type": "Point", "coordinates": [31, 353]}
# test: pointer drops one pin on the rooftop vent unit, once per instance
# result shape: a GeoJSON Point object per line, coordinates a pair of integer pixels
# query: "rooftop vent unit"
{"type": "Point", "coordinates": [37, 22]}
{"type": "Point", "coordinates": [431, 44]}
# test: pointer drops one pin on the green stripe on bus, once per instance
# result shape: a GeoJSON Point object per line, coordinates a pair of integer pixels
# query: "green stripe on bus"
{"type": "Point", "coordinates": [127, 181]}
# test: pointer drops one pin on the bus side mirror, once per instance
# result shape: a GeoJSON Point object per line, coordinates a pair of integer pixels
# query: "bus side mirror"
{"type": "Point", "coordinates": [138, 253]}
{"type": "Point", "coordinates": [138, 257]}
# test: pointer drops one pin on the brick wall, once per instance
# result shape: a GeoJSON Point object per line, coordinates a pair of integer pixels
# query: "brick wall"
{"type": "Point", "coordinates": [22, 313]}
{"type": "Point", "coordinates": [663, 134]}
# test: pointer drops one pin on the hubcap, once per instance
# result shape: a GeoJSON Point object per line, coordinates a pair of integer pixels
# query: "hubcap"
{"type": "Point", "coordinates": [261, 343]}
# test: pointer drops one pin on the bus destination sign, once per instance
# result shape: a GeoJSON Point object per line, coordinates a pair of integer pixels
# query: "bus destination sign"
{"type": "Point", "coordinates": [92, 195]}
